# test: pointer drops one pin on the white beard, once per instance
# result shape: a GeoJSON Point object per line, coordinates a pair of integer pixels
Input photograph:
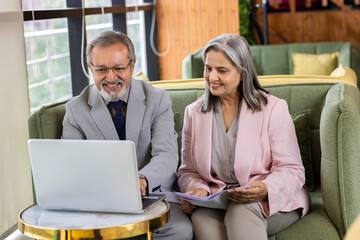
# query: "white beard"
{"type": "Point", "coordinates": [112, 96]}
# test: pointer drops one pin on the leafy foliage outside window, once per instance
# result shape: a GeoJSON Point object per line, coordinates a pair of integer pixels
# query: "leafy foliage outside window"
{"type": "Point", "coordinates": [246, 27]}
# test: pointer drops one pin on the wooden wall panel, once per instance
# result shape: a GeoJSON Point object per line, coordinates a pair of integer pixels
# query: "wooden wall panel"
{"type": "Point", "coordinates": [192, 23]}
{"type": "Point", "coordinates": [313, 26]}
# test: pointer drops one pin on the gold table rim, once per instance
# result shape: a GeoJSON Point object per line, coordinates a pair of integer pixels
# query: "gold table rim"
{"type": "Point", "coordinates": [123, 231]}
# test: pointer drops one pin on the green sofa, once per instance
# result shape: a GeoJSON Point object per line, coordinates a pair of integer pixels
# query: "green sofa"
{"type": "Point", "coordinates": [334, 134]}
{"type": "Point", "coordinates": [276, 59]}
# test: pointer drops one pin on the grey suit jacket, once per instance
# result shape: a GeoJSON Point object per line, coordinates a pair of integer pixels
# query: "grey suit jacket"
{"type": "Point", "coordinates": [149, 124]}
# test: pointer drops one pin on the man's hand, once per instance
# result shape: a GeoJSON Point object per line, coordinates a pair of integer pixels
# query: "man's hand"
{"type": "Point", "coordinates": [257, 193]}
{"type": "Point", "coordinates": [143, 186]}
{"type": "Point", "coordinates": [188, 207]}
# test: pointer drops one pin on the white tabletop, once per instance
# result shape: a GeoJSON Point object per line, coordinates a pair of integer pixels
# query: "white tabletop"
{"type": "Point", "coordinates": [72, 220]}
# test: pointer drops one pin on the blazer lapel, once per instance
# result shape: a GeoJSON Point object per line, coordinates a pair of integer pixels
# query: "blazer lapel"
{"type": "Point", "coordinates": [101, 115]}
{"type": "Point", "coordinates": [248, 137]}
{"type": "Point", "coordinates": [202, 128]}
{"type": "Point", "coordinates": [135, 111]}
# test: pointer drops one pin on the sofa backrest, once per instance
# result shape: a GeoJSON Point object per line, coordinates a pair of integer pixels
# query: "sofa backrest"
{"type": "Point", "coordinates": [277, 59]}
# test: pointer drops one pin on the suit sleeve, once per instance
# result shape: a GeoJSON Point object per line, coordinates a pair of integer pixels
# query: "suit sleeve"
{"type": "Point", "coordinates": [164, 150]}
{"type": "Point", "coordinates": [188, 176]}
{"type": "Point", "coordinates": [71, 129]}
{"type": "Point", "coordinates": [287, 173]}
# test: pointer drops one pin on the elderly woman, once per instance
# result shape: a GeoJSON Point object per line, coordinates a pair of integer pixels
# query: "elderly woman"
{"type": "Point", "coordinates": [238, 134]}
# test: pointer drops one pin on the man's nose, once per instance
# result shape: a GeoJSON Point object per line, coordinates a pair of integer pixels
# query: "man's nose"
{"type": "Point", "coordinates": [111, 76]}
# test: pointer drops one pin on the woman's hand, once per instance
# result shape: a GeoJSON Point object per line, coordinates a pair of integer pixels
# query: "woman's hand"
{"type": "Point", "coordinates": [257, 193]}
{"type": "Point", "coordinates": [188, 207]}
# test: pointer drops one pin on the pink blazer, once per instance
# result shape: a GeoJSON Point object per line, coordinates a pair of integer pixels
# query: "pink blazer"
{"type": "Point", "coordinates": [266, 150]}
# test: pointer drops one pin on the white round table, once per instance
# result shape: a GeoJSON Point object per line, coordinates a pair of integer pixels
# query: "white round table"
{"type": "Point", "coordinates": [39, 223]}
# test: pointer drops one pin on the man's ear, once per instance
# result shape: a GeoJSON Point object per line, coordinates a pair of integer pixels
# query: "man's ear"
{"type": "Point", "coordinates": [132, 67]}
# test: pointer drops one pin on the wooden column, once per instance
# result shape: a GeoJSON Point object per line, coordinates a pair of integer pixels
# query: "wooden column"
{"type": "Point", "coordinates": [292, 5]}
{"type": "Point", "coordinates": [191, 25]}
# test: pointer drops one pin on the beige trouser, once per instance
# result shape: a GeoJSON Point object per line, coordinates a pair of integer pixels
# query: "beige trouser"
{"type": "Point", "coordinates": [239, 221]}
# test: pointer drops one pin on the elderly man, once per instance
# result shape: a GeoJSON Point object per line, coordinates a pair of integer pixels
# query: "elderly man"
{"type": "Point", "coordinates": [119, 107]}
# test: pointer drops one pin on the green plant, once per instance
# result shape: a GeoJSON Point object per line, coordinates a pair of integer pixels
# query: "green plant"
{"type": "Point", "coordinates": [246, 27]}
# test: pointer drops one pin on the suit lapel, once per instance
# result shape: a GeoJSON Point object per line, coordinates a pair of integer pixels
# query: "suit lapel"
{"type": "Point", "coordinates": [248, 137]}
{"type": "Point", "coordinates": [135, 111]}
{"type": "Point", "coordinates": [101, 115]}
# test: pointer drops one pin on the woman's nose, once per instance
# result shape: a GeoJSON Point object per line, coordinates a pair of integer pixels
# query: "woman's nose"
{"type": "Point", "coordinates": [213, 76]}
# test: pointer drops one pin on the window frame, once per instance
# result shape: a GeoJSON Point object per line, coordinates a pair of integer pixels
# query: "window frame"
{"type": "Point", "coordinates": [74, 14]}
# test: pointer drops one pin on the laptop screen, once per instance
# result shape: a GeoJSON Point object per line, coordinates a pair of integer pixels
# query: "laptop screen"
{"type": "Point", "coordinates": [85, 175]}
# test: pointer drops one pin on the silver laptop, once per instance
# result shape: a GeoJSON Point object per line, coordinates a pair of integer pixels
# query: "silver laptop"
{"type": "Point", "coordinates": [87, 175]}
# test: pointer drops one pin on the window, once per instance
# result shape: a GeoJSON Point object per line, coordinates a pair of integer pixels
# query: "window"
{"type": "Point", "coordinates": [43, 4]}
{"type": "Point", "coordinates": [48, 62]}
{"type": "Point", "coordinates": [50, 57]}
{"type": "Point", "coordinates": [136, 32]}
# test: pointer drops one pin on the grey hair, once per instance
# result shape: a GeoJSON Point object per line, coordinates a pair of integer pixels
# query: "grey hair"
{"type": "Point", "coordinates": [236, 49]}
{"type": "Point", "coordinates": [109, 38]}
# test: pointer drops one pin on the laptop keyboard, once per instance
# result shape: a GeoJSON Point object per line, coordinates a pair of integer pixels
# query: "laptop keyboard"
{"type": "Point", "coordinates": [151, 199]}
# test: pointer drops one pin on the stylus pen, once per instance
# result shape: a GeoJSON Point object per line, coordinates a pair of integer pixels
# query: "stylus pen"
{"type": "Point", "coordinates": [149, 197]}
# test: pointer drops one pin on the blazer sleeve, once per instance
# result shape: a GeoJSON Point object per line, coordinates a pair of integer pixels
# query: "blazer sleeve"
{"type": "Point", "coordinates": [71, 129]}
{"type": "Point", "coordinates": [161, 169]}
{"type": "Point", "coordinates": [188, 176]}
{"type": "Point", "coordinates": [287, 173]}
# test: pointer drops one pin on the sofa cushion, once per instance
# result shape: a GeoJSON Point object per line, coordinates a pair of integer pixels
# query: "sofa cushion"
{"type": "Point", "coordinates": [302, 122]}
{"type": "Point", "coordinates": [315, 225]}
{"type": "Point", "coordinates": [314, 64]}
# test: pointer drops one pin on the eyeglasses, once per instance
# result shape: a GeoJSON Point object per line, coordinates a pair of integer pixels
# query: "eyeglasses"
{"type": "Point", "coordinates": [102, 71]}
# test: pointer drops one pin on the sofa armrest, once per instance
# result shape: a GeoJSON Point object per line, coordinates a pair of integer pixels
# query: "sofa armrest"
{"type": "Point", "coordinates": [47, 122]}
{"type": "Point", "coordinates": [340, 160]}
{"type": "Point", "coordinates": [350, 57]}
{"type": "Point", "coordinates": [355, 61]}
{"type": "Point", "coordinates": [33, 126]}
{"type": "Point", "coordinates": [193, 65]}
{"type": "Point", "coordinates": [186, 67]}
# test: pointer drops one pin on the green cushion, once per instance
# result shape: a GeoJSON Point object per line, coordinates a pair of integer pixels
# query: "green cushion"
{"type": "Point", "coordinates": [302, 122]}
